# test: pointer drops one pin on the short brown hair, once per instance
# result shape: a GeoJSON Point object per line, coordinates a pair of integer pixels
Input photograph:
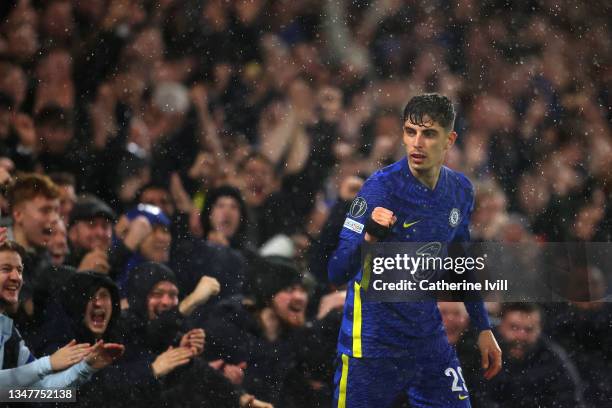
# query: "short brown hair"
{"type": "Point", "coordinates": [28, 186]}
{"type": "Point", "coordinates": [12, 246]}
{"type": "Point", "coordinates": [436, 107]}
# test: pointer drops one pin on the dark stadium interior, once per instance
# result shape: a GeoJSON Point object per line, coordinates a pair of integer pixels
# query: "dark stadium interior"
{"type": "Point", "coordinates": [176, 165]}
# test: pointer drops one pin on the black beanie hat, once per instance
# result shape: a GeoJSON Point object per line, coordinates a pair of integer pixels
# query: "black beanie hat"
{"type": "Point", "coordinates": [271, 275]}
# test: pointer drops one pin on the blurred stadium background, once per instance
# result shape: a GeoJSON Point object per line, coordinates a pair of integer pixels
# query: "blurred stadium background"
{"type": "Point", "coordinates": [293, 103]}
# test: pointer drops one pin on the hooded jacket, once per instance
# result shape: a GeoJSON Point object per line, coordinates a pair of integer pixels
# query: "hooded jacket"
{"type": "Point", "coordinates": [195, 384]}
{"type": "Point", "coordinates": [544, 377]}
{"type": "Point", "coordinates": [235, 334]}
{"type": "Point", "coordinates": [150, 337]}
{"type": "Point", "coordinates": [195, 257]}
{"type": "Point", "coordinates": [114, 384]}
{"type": "Point", "coordinates": [68, 310]}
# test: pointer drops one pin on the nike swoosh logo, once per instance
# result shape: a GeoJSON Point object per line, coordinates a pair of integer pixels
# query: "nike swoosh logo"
{"type": "Point", "coordinates": [410, 224]}
{"type": "Point", "coordinates": [462, 397]}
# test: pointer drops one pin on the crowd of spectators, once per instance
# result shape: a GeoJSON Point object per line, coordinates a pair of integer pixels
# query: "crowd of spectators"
{"type": "Point", "coordinates": [178, 172]}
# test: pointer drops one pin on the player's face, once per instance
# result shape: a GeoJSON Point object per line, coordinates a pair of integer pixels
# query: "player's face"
{"type": "Point", "coordinates": [426, 145]}
{"type": "Point", "coordinates": [11, 269]}
{"type": "Point", "coordinates": [98, 312]}
{"type": "Point", "coordinates": [163, 297]}
{"type": "Point", "coordinates": [290, 305]}
{"type": "Point", "coordinates": [520, 331]}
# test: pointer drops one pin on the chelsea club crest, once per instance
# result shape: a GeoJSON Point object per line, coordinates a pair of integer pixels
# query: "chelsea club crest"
{"type": "Point", "coordinates": [454, 217]}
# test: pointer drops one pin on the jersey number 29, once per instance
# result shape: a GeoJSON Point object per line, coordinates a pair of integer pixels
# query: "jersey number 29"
{"type": "Point", "coordinates": [450, 371]}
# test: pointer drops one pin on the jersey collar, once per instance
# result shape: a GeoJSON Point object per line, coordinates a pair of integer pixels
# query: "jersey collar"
{"type": "Point", "coordinates": [438, 190]}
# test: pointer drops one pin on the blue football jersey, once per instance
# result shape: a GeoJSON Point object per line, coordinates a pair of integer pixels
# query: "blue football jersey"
{"type": "Point", "coordinates": [385, 329]}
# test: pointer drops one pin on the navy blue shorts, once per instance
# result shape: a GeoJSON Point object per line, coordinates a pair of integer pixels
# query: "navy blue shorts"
{"type": "Point", "coordinates": [428, 379]}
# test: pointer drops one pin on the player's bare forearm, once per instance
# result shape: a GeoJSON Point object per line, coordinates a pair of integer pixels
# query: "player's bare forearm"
{"type": "Point", "coordinates": [490, 354]}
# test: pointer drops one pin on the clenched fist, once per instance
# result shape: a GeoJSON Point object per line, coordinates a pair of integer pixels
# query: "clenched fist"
{"type": "Point", "coordinates": [207, 287]}
{"type": "Point", "coordinates": [381, 221]}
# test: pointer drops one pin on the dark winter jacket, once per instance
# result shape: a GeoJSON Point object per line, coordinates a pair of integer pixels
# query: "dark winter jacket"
{"type": "Point", "coordinates": [194, 258]}
{"type": "Point", "coordinates": [233, 334]}
{"type": "Point", "coordinates": [42, 283]}
{"type": "Point", "coordinates": [148, 338]}
{"type": "Point", "coordinates": [115, 384]}
{"type": "Point", "coordinates": [545, 377]}
{"type": "Point", "coordinates": [586, 335]}
{"type": "Point", "coordinates": [195, 384]}
{"type": "Point", "coordinates": [310, 382]}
